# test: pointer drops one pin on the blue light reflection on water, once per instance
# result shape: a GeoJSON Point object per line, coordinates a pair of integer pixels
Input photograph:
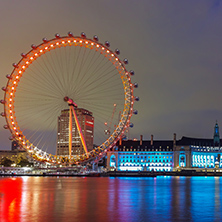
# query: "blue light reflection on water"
{"type": "Point", "coordinates": [127, 199]}
{"type": "Point", "coordinates": [169, 199]}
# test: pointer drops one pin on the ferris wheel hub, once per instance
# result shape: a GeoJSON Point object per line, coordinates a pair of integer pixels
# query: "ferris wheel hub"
{"type": "Point", "coordinates": [70, 101]}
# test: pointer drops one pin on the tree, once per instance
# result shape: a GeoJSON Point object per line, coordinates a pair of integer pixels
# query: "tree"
{"type": "Point", "coordinates": [5, 161]}
{"type": "Point", "coordinates": [24, 162]}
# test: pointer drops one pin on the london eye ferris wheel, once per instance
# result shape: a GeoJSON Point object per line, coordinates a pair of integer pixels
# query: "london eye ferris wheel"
{"type": "Point", "coordinates": [62, 74]}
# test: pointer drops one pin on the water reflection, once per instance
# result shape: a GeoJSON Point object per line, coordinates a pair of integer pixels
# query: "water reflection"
{"type": "Point", "coordinates": [110, 199]}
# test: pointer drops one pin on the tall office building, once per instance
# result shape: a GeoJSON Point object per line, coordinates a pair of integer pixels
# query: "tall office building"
{"type": "Point", "coordinates": [86, 121]}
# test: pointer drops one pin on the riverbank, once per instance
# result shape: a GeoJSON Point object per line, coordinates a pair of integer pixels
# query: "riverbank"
{"type": "Point", "coordinates": [118, 174]}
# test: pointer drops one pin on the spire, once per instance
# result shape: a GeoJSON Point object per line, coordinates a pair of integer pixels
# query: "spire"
{"type": "Point", "coordinates": [216, 135]}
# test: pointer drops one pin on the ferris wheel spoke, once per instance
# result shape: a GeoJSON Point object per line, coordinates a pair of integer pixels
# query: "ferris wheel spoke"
{"type": "Point", "coordinates": [37, 82]}
{"type": "Point", "coordinates": [58, 84]}
{"type": "Point", "coordinates": [73, 79]}
{"type": "Point", "coordinates": [58, 71]}
{"type": "Point", "coordinates": [96, 81]}
{"type": "Point", "coordinates": [88, 67]}
{"type": "Point", "coordinates": [84, 74]}
{"type": "Point", "coordinates": [42, 71]}
{"type": "Point", "coordinates": [103, 82]}
{"type": "Point", "coordinates": [93, 74]}
{"type": "Point", "coordinates": [40, 134]}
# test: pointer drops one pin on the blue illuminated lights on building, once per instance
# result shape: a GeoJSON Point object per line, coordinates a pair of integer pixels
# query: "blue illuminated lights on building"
{"type": "Point", "coordinates": [166, 155]}
{"type": "Point", "coordinates": [141, 156]}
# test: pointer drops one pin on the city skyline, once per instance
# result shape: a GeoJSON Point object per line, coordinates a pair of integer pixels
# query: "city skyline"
{"type": "Point", "coordinates": [174, 49]}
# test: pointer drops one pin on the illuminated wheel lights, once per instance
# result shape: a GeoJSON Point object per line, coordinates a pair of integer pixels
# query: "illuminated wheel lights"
{"type": "Point", "coordinates": [46, 47]}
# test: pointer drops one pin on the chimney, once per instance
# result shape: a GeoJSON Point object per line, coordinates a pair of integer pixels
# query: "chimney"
{"type": "Point", "coordinates": [141, 140]}
{"type": "Point", "coordinates": [151, 142]}
{"type": "Point", "coordinates": [174, 139]}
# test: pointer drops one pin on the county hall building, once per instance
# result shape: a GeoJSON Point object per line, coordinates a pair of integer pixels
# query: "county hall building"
{"type": "Point", "coordinates": [166, 155]}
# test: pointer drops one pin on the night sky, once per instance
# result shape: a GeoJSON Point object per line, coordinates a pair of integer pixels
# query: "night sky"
{"type": "Point", "coordinates": [174, 47]}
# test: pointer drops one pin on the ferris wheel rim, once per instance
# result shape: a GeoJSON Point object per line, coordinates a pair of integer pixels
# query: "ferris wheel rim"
{"type": "Point", "coordinates": [38, 51]}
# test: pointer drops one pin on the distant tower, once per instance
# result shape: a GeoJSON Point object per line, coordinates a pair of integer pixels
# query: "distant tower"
{"type": "Point", "coordinates": [86, 121]}
{"type": "Point", "coordinates": [15, 145]}
{"type": "Point", "coordinates": [216, 135]}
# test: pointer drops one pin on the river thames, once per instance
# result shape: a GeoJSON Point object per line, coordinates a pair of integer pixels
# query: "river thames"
{"type": "Point", "coordinates": [162, 198]}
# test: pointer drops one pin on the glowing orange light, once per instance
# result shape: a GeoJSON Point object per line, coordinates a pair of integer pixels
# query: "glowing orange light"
{"type": "Point", "coordinates": [92, 43]}
{"type": "Point", "coordinates": [11, 94]}
{"type": "Point", "coordinates": [103, 48]}
{"type": "Point", "coordinates": [20, 72]}
{"type": "Point", "coordinates": [69, 41]}
{"type": "Point", "coordinates": [20, 138]}
{"type": "Point", "coordinates": [41, 50]}
{"type": "Point", "coordinates": [80, 41]}
{"type": "Point", "coordinates": [13, 123]}
{"type": "Point", "coordinates": [17, 77]}
{"type": "Point", "coordinates": [27, 62]}
{"type": "Point", "coordinates": [10, 105]}
{"type": "Point", "coordinates": [10, 111]}
{"type": "Point", "coordinates": [46, 47]}
{"type": "Point", "coordinates": [11, 117]}
{"type": "Point", "coordinates": [10, 101]}
{"type": "Point", "coordinates": [15, 129]}
{"type": "Point", "coordinates": [13, 87]}
{"type": "Point", "coordinates": [87, 42]}
{"type": "Point", "coordinates": [116, 59]}
{"type": "Point", "coordinates": [74, 40]}
{"type": "Point", "coordinates": [97, 46]}
{"type": "Point", "coordinates": [17, 132]}
{"type": "Point", "coordinates": [14, 82]}
{"type": "Point", "coordinates": [23, 67]}
{"type": "Point", "coordinates": [31, 58]}
{"type": "Point", "coordinates": [57, 43]}
{"type": "Point", "coordinates": [51, 45]}
{"type": "Point", "coordinates": [36, 54]}
{"type": "Point", "coordinates": [112, 55]}
{"type": "Point", "coordinates": [107, 51]}
{"type": "Point", "coordinates": [63, 42]}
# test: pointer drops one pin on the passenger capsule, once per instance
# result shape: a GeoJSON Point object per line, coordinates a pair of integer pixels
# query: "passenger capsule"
{"type": "Point", "coordinates": [117, 51]}
{"type": "Point", "coordinates": [131, 125]}
{"type": "Point", "coordinates": [4, 88]}
{"type": "Point", "coordinates": [8, 76]}
{"type": "Point", "coordinates": [57, 35]}
{"type": "Point", "coordinates": [96, 38]}
{"type": "Point", "coordinates": [23, 55]}
{"type": "Point", "coordinates": [33, 46]}
{"type": "Point", "coordinates": [107, 44]}
{"type": "Point", "coordinates": [83, 35]}
{"type": "Point", "coordinates": [2, 101]}
{"type": "Point", "coordinates": [70, 34]}
{"type": "Point", "coordinates": [3, 114]}
{"type": "Point", "coordinates": [5, 126]}
{"type": "Point", "coordinates": [135, 112]}
{"type": "Point", "coordinates": [131, 72]}
{"type": "Point", "coordinates": [11, 138]}
{"type": "Point", "coordinates": [125, 61]}
{"type": "Point", "coordinates": [45, 40]}
{"type": "Point", "coordinates": [137, 98]}
{"type": "Point", "coordinates": [135, 85]}
{"type": "Point", "coordinates": [15, 65]}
